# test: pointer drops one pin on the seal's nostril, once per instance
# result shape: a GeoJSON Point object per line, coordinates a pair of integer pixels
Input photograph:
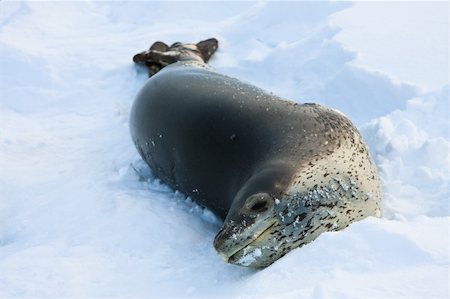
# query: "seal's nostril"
{"type": "Point", "coordinates": [258, 206]}
{"type": "Point", "coordinates": [259, 202]}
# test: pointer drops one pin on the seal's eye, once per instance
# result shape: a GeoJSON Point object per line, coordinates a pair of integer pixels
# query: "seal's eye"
{"type": "Point", "coordinates": [259, 202]}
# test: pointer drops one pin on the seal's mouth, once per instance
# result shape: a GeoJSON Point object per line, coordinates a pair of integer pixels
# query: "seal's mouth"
{"type": "Point", "coordinates": [238, 256]}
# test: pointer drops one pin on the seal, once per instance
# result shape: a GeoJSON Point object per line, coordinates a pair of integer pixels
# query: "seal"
{"type": "Point", "coordinates": [277, 172]}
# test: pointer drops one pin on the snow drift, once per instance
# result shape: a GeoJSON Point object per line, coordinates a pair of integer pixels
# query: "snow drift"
{"type": "Point", "coordinates": [81, 215]}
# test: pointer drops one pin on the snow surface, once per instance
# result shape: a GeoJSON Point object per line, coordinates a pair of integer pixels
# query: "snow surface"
{"type": "Point", "coordinates": [408, 41]}
{"type": "Point", "coordinates": [81, 215]}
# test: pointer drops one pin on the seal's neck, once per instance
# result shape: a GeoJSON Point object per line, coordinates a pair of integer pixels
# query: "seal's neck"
{"type": "Point", "coordinates": [160, 55]}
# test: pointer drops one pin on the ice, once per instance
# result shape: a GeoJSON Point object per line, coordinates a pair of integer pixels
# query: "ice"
{"type": "Point", "coordinates": [82, 216]}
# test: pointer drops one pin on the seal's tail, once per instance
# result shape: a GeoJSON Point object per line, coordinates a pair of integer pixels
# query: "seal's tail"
{"type": "Point", "coordinates": [160, 54]}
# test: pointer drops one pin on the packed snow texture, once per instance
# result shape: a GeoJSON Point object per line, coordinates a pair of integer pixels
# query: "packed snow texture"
{"type": "Point", "coordinates": [82, 216]}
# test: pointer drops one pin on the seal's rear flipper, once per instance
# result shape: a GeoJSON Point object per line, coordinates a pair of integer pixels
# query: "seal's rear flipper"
{"type": "Point", "coordinates": [160, 55]}
{"type": "Point", "coordinates": [154, 67]}
{"type": "Point", "coordinates": [159, 46]}
{"type": "Point", "coordinates": [207, 48]}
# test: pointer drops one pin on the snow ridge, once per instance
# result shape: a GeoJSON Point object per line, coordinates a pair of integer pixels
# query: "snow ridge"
{"type": "Point", "coordinates": [82, 216]}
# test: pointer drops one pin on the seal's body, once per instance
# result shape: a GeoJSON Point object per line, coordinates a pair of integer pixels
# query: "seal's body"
{"type": "Point", "coordinates": [278, 173]}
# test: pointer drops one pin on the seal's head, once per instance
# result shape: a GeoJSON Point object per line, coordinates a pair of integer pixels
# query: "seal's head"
{"type": "Point", "coordinates": [249, 236]}
{"type": "Point", "coordinates": [278, 210]}
{"type": "Point", "coordinates": [246, 234]}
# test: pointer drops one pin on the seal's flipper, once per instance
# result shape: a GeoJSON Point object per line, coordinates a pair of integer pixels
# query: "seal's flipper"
{"type": "Point", "coordinates": [159, 46]}
{"type": "Point", "coordinates": [152, 67]}
{"type": "Point", "coordinates": [160, 54]}
{"type": "Point", "coordinates": [207, 48]}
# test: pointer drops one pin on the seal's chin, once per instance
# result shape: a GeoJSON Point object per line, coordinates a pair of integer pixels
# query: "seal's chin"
{"type": "Point", "coordinates": [250, 253]}
{"type": "Point", "coordinates": [253, 254]}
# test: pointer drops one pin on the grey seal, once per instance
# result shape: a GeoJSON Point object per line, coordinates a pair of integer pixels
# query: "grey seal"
{"type": "Point", "coordinates": [278, 173]}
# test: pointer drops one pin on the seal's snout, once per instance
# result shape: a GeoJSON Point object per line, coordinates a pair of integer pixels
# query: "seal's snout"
{"type": "Point", "coordinates": [245, 246]}
{"type": "Point", "coordinates": [244, 230]}
{"type": "Point", "coordinates": [229, 239]}
{"type": "Point", "coordinates": [220, 244]}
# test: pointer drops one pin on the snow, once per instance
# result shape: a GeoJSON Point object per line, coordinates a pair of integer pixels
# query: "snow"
{"type": "Point", "coordinates": [416, 51]}
{"type": "Point", "coordinates": [249, 256]}
{"type": "Point", "coordinates": [82, 216]}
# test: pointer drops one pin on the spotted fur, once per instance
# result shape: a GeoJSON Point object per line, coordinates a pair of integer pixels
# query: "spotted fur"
{"type": "Point", "coordinates": [336, 184]}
